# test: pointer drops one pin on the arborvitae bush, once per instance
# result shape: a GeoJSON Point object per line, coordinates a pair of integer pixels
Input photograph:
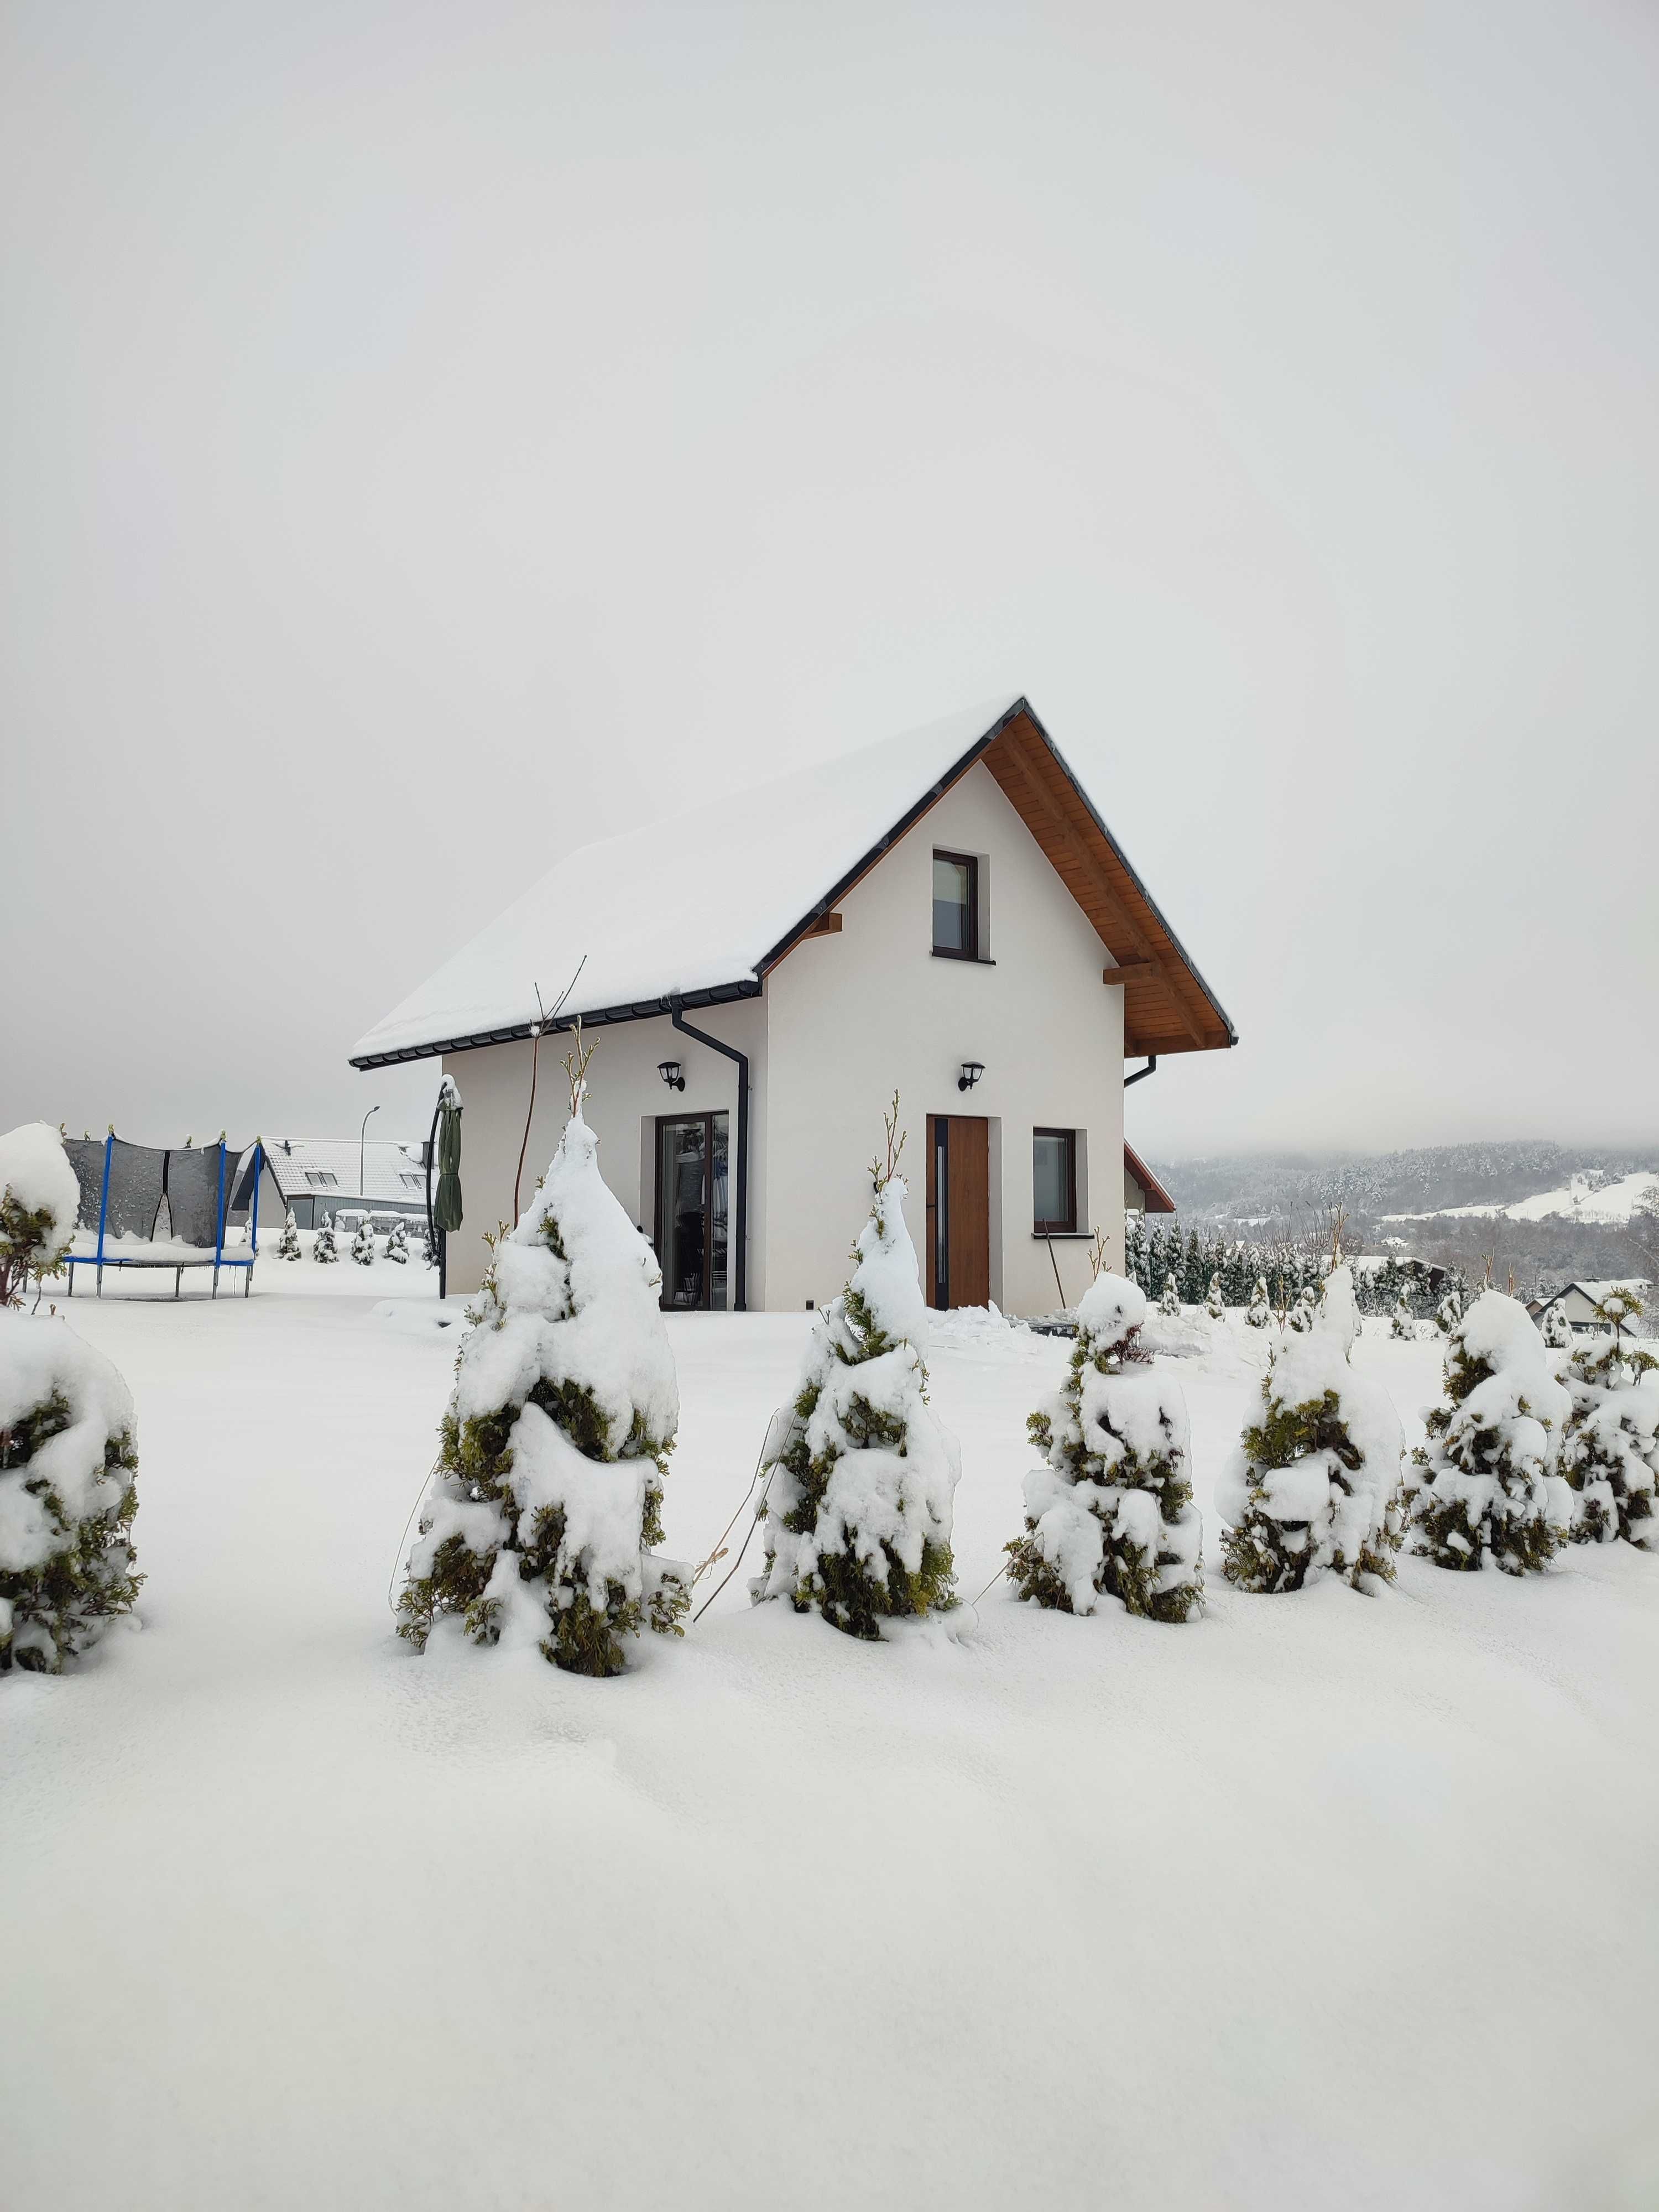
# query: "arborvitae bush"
{"type": "Point", "coordinates": [856, 1510]}
{"type": "Point", "coordinates": [363, 1244]}
{"type": "Point", "coordinates": [397, 1245]}
{"type": "Point", "coordinates": [1214, 1305]}
{"type": "Point", "coordinates": [1450, 1311]}
{"type": "Point", "coordinates": [67, 1458]}
{"type": "Point", "coordinates": [1402, 1324]}
{"type": "Point", "coordinates": [1557, 1329]}
{"type": "Point", "coordinates": [288, 1244]}
{"type": "Point", "coordinates": [1110, 1511]}
{"type": "Point", "coordinates": [1313, 1486]}
{"type": "Point", "coordinates": [555, 1447]}
{"type": "Point", "coordinates": [1483, 1489]}
{"type": "Point", "coordinates": [1259, 1313]}
{"type": "Point", "coordinates": [1170, 1298]}
{"type": "Point", "coordinates": [324, 1247]}
{"type": "Point", "coordinates": [1610, 1451]}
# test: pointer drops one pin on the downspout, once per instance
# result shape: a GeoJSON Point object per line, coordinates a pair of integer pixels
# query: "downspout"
{"type": "Point", "coordinates": [740, 1270]}
{"type": "Point", "coordinates": [1141, 1074]}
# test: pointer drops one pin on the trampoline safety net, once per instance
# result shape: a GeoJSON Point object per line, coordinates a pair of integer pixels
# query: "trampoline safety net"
{"type": "Point", "coordinates": [162, 1195]}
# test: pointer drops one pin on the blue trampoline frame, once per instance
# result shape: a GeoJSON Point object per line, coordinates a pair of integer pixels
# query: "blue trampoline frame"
{"type": "Point", "coordinates": [217, 1259]}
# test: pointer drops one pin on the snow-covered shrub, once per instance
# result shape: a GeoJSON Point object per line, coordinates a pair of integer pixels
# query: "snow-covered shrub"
{"type": "Point", "coordinates": [1557, 1329]}
{"type": "Point", "coordinates": [1168, 1302]}
{"type": "Point", "coordinates": [1313, 1484]}
{"type": "Point", "coordinates": [1610, 1450]}
{"type": "Point", "coordinates": [397, 1245]}
{"type": "Point", "coordinates": [288, 1244]}
{"type": "Point", "coordinates": [1483, 1489]}
{"type": "Point", "coordinates": [1305, 1311]}
{"type": "Point", "coordinates": [324, 1247]}
{"type": "Point", "coordinates": [363, 1244]}
{"type": "Point", "coordinates": [857, 1505]}
{"type": "Point", "coordinates": [1450, 1311]}
{"type": "Point", "coordinates": [39, 1198]}
{"type": "Point", "coordinates": [1258, 1314]}
{"type": "Point", "coordinates": [1214, 1305]}
{"type": "Point", "coordinates": [67, 1499]}
{"type": "Point", "coordinates": [549, 1488]}
{"type": "Point", "coordinates": [1110, 1511]}
{"type": "Point", "coordinates": [1402, 1324]}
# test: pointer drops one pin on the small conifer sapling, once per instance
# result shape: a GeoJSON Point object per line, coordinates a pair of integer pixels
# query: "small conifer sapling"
{"type": "Point", "coordinates": [67, 1456]}
{"type": "Point", "coordinates": [1313, 1485]}
{"type": "Point", "coordinates": [1610, 1450]}
{"type": "Point", "coordinates": [288, 1244]}
{"type": "Point", "coordinates": [548, 1495]}
{"type": "Point", "coordinates": [857, 1505]}
{"type": "Point", "coordinates": [1483, 1488]}
{"type": "Point", "coordinates": [1110, 1513]}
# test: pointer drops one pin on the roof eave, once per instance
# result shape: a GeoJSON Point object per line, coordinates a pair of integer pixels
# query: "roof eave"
{"type": "Point", "coordinates": [640, 1010]}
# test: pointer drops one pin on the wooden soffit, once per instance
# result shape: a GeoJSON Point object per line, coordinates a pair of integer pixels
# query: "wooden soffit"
{"type": "Point", "coordinates": [1167, 1005]}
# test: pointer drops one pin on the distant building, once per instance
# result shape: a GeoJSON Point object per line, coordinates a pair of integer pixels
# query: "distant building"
{"type": "Point", "coordinates": [318, 1175]}
{"type": "Point", "coordinates": [1579, 1301]}
{"type": "Point", "coordinates": [1142, 1191]}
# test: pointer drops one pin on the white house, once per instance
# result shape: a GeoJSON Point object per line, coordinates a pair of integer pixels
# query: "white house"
{"type": "Point", "coordinates": [1579, 1301]}
{"type": "Point", "coordinates": [317, 1175]}
{"type": "Point", "coordinates": [943, 915]}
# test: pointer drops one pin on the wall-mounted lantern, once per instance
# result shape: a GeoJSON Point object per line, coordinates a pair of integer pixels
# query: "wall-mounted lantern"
{"type": "Point", "coordinates": [971, 1072]}
{"type": "Point", "coordinates": [669, 1071]}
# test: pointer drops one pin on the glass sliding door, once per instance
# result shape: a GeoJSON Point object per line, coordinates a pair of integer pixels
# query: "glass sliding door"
{"type": "Point", "coordinates": [692, 1199]}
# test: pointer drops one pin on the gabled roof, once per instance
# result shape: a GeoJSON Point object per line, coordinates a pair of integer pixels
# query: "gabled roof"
{"type": "Point", "coordinates": [700, 909]}
{"type": "Point", "coordinates": [1158, 1199]}
{"type": "Point", "coordinates": [294, 1161]}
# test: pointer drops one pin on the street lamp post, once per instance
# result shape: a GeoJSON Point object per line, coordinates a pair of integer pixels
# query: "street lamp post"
{"type": "Point", "coordinates": [363, 1150]}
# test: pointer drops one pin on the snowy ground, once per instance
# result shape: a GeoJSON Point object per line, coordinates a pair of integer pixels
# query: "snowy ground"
{"type": "Point", "coordinates": [1321, 1902]}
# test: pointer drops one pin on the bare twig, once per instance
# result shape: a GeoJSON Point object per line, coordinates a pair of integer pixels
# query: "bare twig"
{"type": "Point", "coordinates": [881, 1176]}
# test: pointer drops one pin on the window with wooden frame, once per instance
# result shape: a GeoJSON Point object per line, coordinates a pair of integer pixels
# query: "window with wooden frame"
{"type": "Point", "coordinates": [1053, 1182]}
{"type": "Point", "coordinates": [956, 906]}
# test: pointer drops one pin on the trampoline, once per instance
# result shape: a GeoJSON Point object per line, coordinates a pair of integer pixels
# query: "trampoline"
{"type": "Point", "coordinates": [145, 1207]}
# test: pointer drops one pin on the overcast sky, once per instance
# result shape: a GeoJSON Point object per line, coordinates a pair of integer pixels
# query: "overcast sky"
{"type": "Point", "coordinates": [434, 436]}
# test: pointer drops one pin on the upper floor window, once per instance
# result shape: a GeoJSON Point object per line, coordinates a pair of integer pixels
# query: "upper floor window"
{"type": "Point", "coordinates": [956, 905]}
{"type": "Point", "coordinates": [1054, 1182]}
{"type": "Point", "coordinates": [321, 1179]}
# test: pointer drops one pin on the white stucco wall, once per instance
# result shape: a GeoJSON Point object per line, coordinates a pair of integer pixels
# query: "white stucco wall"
{"type": "Point", "coordinates": [843, 1022]}
{"type": "Point", "coordinates": [624, 1093]}
{"type": "Point", "coordinates": [852, 1016]}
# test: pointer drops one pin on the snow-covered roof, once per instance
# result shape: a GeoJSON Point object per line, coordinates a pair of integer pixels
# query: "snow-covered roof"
{"type": "Point", "coordinates": [1637, 1285]}
{"type": "Point", "coordinates": [300, 1164]}
{"type": "Point", "coordinates": [769, 861]}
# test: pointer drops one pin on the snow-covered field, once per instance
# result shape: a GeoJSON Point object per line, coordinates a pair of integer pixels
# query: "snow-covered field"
{"type": "Point", "coordinates": [1322, 1901]}
{"type": "Point", "coordinates": [1587, 1198]}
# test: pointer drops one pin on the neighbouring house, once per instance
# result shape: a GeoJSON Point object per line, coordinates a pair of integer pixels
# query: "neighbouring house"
{"type": "Point", "coordinates": [1578, 1302]}
{"type": "Point", "coordinates": [942, 914]}
{"type": "Point", "coordinates": [1142, 1191]}
{"type": "Point", "coordinates": [315, 1176]}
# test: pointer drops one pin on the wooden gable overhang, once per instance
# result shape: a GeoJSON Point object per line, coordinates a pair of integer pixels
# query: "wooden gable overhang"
{"type": "Point", "coordinates": [1168, 1006]}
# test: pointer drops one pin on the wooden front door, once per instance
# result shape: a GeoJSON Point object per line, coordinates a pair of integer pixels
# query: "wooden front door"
{"type": "Point", "coordinates": [958, 1256]}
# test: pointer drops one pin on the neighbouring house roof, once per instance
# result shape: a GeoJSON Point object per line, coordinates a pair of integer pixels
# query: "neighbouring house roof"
{"type": "Point", "coordinates": [302, 1167]}
{"type": "Point", "coordinates": [769, 862]}
{"type": "Point", "coordinates": [1158, 1199]}
{"type": "Point", "coordinates": [1638, 1284]}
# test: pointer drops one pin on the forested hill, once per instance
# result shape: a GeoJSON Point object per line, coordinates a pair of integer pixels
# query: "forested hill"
{"type": "Point", "coordinates": [1276, 1190]}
